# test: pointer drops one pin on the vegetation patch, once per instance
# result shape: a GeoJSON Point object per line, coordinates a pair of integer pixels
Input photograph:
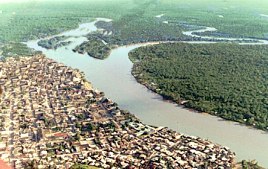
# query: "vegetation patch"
{"type": "Point", "coordinates": [251, 164]}
{"type": "Point", "coordinates": [134, 21]}
{"type": "Point", "coordinates": [54, 43]}
{"type": "Point", "coordinates": [14, 49]}
{"type": "Point", "coordinates": [94, 47]}
{"type": "Point", "coordinates": [226, 80]}
{"type": "Point", "coordinates": [83, 166]}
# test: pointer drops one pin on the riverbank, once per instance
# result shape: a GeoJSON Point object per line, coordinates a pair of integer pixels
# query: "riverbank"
{"type": "Point", "coordinates": [206, 78]}
{"type": "Point", "coordinates": [94, 47]}
{"type": "Point", "coordinates": [63, 120]}
{"type": "Point", "coordinates": [54, 42]}
{"type": "Point", "coordinates": [148, 106]}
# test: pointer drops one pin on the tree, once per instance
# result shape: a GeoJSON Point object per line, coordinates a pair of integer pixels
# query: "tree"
{"type": "Point", "coordinates": [251, 164]}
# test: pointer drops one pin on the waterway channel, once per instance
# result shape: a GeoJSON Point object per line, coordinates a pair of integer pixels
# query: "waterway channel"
{"type": "Point", "coordinates": [113, 76]}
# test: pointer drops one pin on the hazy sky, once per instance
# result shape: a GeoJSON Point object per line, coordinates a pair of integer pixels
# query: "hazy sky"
{"type": "Point", "coordinates": [15, 1]}
{"type": "Point", "coordinates": [6, 1]}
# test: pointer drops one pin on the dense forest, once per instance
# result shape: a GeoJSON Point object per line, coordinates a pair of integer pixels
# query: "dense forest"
{"type": "Point", "coordinates": [35, 19]}
{"type": "Point", "coordinates": [134, 21]}
{"type": "Point", "coordinates": [226, 80]}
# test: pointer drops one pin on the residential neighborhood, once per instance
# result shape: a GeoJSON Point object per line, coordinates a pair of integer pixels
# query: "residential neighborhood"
{"type": "Point", "coordinates": [52, 117]}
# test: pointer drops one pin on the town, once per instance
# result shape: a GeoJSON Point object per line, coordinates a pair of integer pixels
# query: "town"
{"type": "Point", "coordinates": [52, 117]}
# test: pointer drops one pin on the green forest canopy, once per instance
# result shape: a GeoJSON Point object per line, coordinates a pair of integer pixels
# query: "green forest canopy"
{"type": "Point", "coordinates": [226, 80]}
{"type": "Point", "coordinates": [32, 19]}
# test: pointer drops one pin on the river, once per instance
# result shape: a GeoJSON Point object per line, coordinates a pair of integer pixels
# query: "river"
{"type": "Point", "coordinates": [113, 76]}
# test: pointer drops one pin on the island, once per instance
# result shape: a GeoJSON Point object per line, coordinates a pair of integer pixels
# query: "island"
{"type": "Point", "coordinates": [54, 43]}
{"type": "Point", "coordinates": [94, 47]}
{"type": "Point", "coordinates": [135, 22]}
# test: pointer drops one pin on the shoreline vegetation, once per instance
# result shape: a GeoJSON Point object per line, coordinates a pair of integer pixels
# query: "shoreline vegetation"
{"type": "Point", "coordinates": [54, 43]}
{"type": "Point", "coordinates": [226, 35]}
{"type": "Point", "coordinates": [94, 47]}
{"type": "Point", "coordinates": [23, 26]}
{"type": "Point", "coordinates": [135, 22]}
{"type": "Point", "coordinates": [250, 164]}
{"type": "Point", "coordinates": [14, 49]}
{"type": "Point", "coordinates": [121, 40]}
{"type": "Point", "coordinates": [186, 74]}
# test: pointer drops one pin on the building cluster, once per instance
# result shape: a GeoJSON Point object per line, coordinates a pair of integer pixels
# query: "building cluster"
{"type": "Point", "coordinates": [51, 117]}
